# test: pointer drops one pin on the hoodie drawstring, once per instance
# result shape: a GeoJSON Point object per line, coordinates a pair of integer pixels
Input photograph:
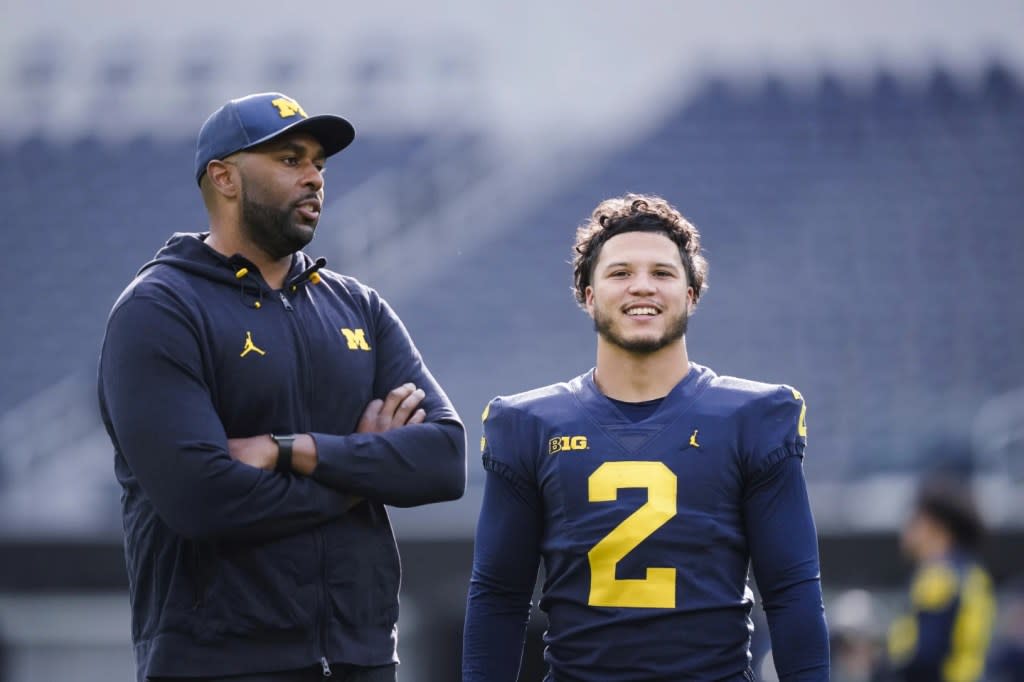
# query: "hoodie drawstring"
{"type": "Point", "coordinates": [310, 275]}
{"type": "Point", "coordinates": [240, 275]}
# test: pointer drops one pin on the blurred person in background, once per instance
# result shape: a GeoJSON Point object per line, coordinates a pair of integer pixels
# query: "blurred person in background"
{"type": "Point", "coordinates": [263, 410]}
{"type": "Point", "coordinates": [946, 634]}
{"type": "Point", "coordinates": [647, 485]}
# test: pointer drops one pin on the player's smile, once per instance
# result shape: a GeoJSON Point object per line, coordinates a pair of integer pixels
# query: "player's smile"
{"type": "Point", "coordinates": [641, 311]}
{"type": "Point", "coordinates": [645, 319]}
{"type": "Point", "coordinates": [640, 294]}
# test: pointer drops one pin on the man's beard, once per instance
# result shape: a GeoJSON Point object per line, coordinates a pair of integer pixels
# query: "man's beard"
{"type": "Point", "coordinates": [272, 230]}
{"type": "Point", "coordinates": [644, 345]}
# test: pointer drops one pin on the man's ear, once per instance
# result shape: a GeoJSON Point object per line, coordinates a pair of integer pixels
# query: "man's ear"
{"type": "Point", "coordinates": [223, 178]}
{"type": "Point", "coordinates": [588, 299]}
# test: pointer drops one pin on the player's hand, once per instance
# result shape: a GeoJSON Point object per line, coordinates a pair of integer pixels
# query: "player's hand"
{"type": "Point", "coordinates": [257, 451]}
{"type": "Point", "coordinates": [399, 408]}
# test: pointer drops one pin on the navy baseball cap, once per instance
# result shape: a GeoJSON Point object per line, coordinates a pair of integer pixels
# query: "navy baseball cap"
{"type": "Point", "coordinates": [248, 121]}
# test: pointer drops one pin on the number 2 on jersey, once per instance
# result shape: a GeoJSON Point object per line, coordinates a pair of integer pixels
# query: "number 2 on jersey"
{"type": "Point", "coordinates": [658, 589]}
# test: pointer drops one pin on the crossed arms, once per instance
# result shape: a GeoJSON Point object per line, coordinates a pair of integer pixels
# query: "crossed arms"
{"type": "Point", "coordinates": [158, 409]}
{"type": "Point", "coordinates": [400, 408]}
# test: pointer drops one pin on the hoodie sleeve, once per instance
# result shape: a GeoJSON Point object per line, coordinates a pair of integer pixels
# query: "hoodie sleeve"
{"type": "Point", "coordinates": [158, 410]}
{"type": "Point", "coordinates": [408, 466]}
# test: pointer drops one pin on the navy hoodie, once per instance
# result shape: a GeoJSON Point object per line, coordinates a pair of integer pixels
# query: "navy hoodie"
{"type": "Point", "coordinates": [233, 569]}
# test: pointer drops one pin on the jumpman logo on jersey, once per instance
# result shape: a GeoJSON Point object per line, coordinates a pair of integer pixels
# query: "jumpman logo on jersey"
{"type": "Point", "coordinates": [250, 347]}
{"type": "Point", "coordinates": [693, 439]}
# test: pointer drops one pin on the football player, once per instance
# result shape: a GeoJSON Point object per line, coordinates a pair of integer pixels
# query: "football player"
{"type": "Point", "coordinates": [648, 486]}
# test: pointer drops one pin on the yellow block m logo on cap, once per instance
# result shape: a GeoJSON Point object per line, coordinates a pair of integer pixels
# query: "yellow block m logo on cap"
{"type": "Point", "coordinates": [288, 108]}
{"type": "Point", "coordinates": [356, 339]}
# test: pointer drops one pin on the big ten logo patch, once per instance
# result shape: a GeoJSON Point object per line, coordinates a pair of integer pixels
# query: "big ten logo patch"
{"type": "Point", "coordinates": [563, 443]}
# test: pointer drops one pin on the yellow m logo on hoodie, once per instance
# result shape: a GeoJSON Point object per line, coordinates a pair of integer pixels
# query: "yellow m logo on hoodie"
{"type": "Point", "coordinates": [356, 339]}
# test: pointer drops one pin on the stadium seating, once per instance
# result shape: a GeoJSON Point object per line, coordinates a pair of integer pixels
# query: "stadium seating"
{"type": "Point", "coordinates": [865, 244]}
{"type": "Point", "coordinates": [865, 241]}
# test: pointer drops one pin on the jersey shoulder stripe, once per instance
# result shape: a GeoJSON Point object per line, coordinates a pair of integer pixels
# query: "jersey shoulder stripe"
{"type": "Point", "coordinates": [772, 418]}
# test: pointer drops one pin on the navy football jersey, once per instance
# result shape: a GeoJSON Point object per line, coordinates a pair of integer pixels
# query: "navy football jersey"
{"type": "Point", "coordinates": [644, 536]}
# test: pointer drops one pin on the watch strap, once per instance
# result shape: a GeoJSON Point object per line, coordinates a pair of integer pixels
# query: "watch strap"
{"type": "Point", "coordinates": [284, 451]}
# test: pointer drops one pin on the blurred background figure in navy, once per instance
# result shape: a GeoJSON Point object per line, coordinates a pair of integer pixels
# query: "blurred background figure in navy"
{"type": "Point", "coordinates": [946, 634]}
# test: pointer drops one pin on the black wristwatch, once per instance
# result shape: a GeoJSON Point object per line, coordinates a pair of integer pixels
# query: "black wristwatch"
{"type": "Point", "coordinates": [284, 451]}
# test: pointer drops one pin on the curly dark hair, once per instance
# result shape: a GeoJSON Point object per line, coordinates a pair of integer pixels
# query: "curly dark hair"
{"type": "Point", "coordinates": [636, 213]}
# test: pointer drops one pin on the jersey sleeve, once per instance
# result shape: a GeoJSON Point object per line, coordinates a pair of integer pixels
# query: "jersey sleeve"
{"type": "Point", "coordinates": [506, 556]}
{"type": "Point", "coordinates": [784, 554]}
{"type": "Point", "coordinates": [502, 447]}
{"type": "Point", "coordinates": [782, 537]}
{"type": "Point", "coordinates": [775, 428]}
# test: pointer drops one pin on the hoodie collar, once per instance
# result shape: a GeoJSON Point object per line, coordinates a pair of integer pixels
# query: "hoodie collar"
{"type": "Point", "coordinates": [188, 251]}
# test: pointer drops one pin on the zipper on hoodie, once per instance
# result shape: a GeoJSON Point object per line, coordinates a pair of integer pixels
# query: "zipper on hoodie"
{"type": "Point", "coordinates": [325, 606]}
{"type": "Point", "coordinates": [324, 620]}
{"type": "Point", "coordinates": [285, 301]}
{"type": "Point", "coordinates": [321, 545]}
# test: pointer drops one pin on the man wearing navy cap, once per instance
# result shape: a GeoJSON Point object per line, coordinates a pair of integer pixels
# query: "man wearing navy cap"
{"type": "Point", "coordinates": [263, 410]}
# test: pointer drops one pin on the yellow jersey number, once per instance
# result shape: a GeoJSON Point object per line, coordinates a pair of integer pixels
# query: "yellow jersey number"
{"type": "Point", "coordinates": [801, 425]}
{"type": "Point", "coordinates": [658, 589]}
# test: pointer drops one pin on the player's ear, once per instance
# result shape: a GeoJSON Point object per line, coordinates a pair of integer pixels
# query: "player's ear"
{"type": "Point", "coordinates": [224, 177]}
{"type": "Point", "coordinates": [588, 299]}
